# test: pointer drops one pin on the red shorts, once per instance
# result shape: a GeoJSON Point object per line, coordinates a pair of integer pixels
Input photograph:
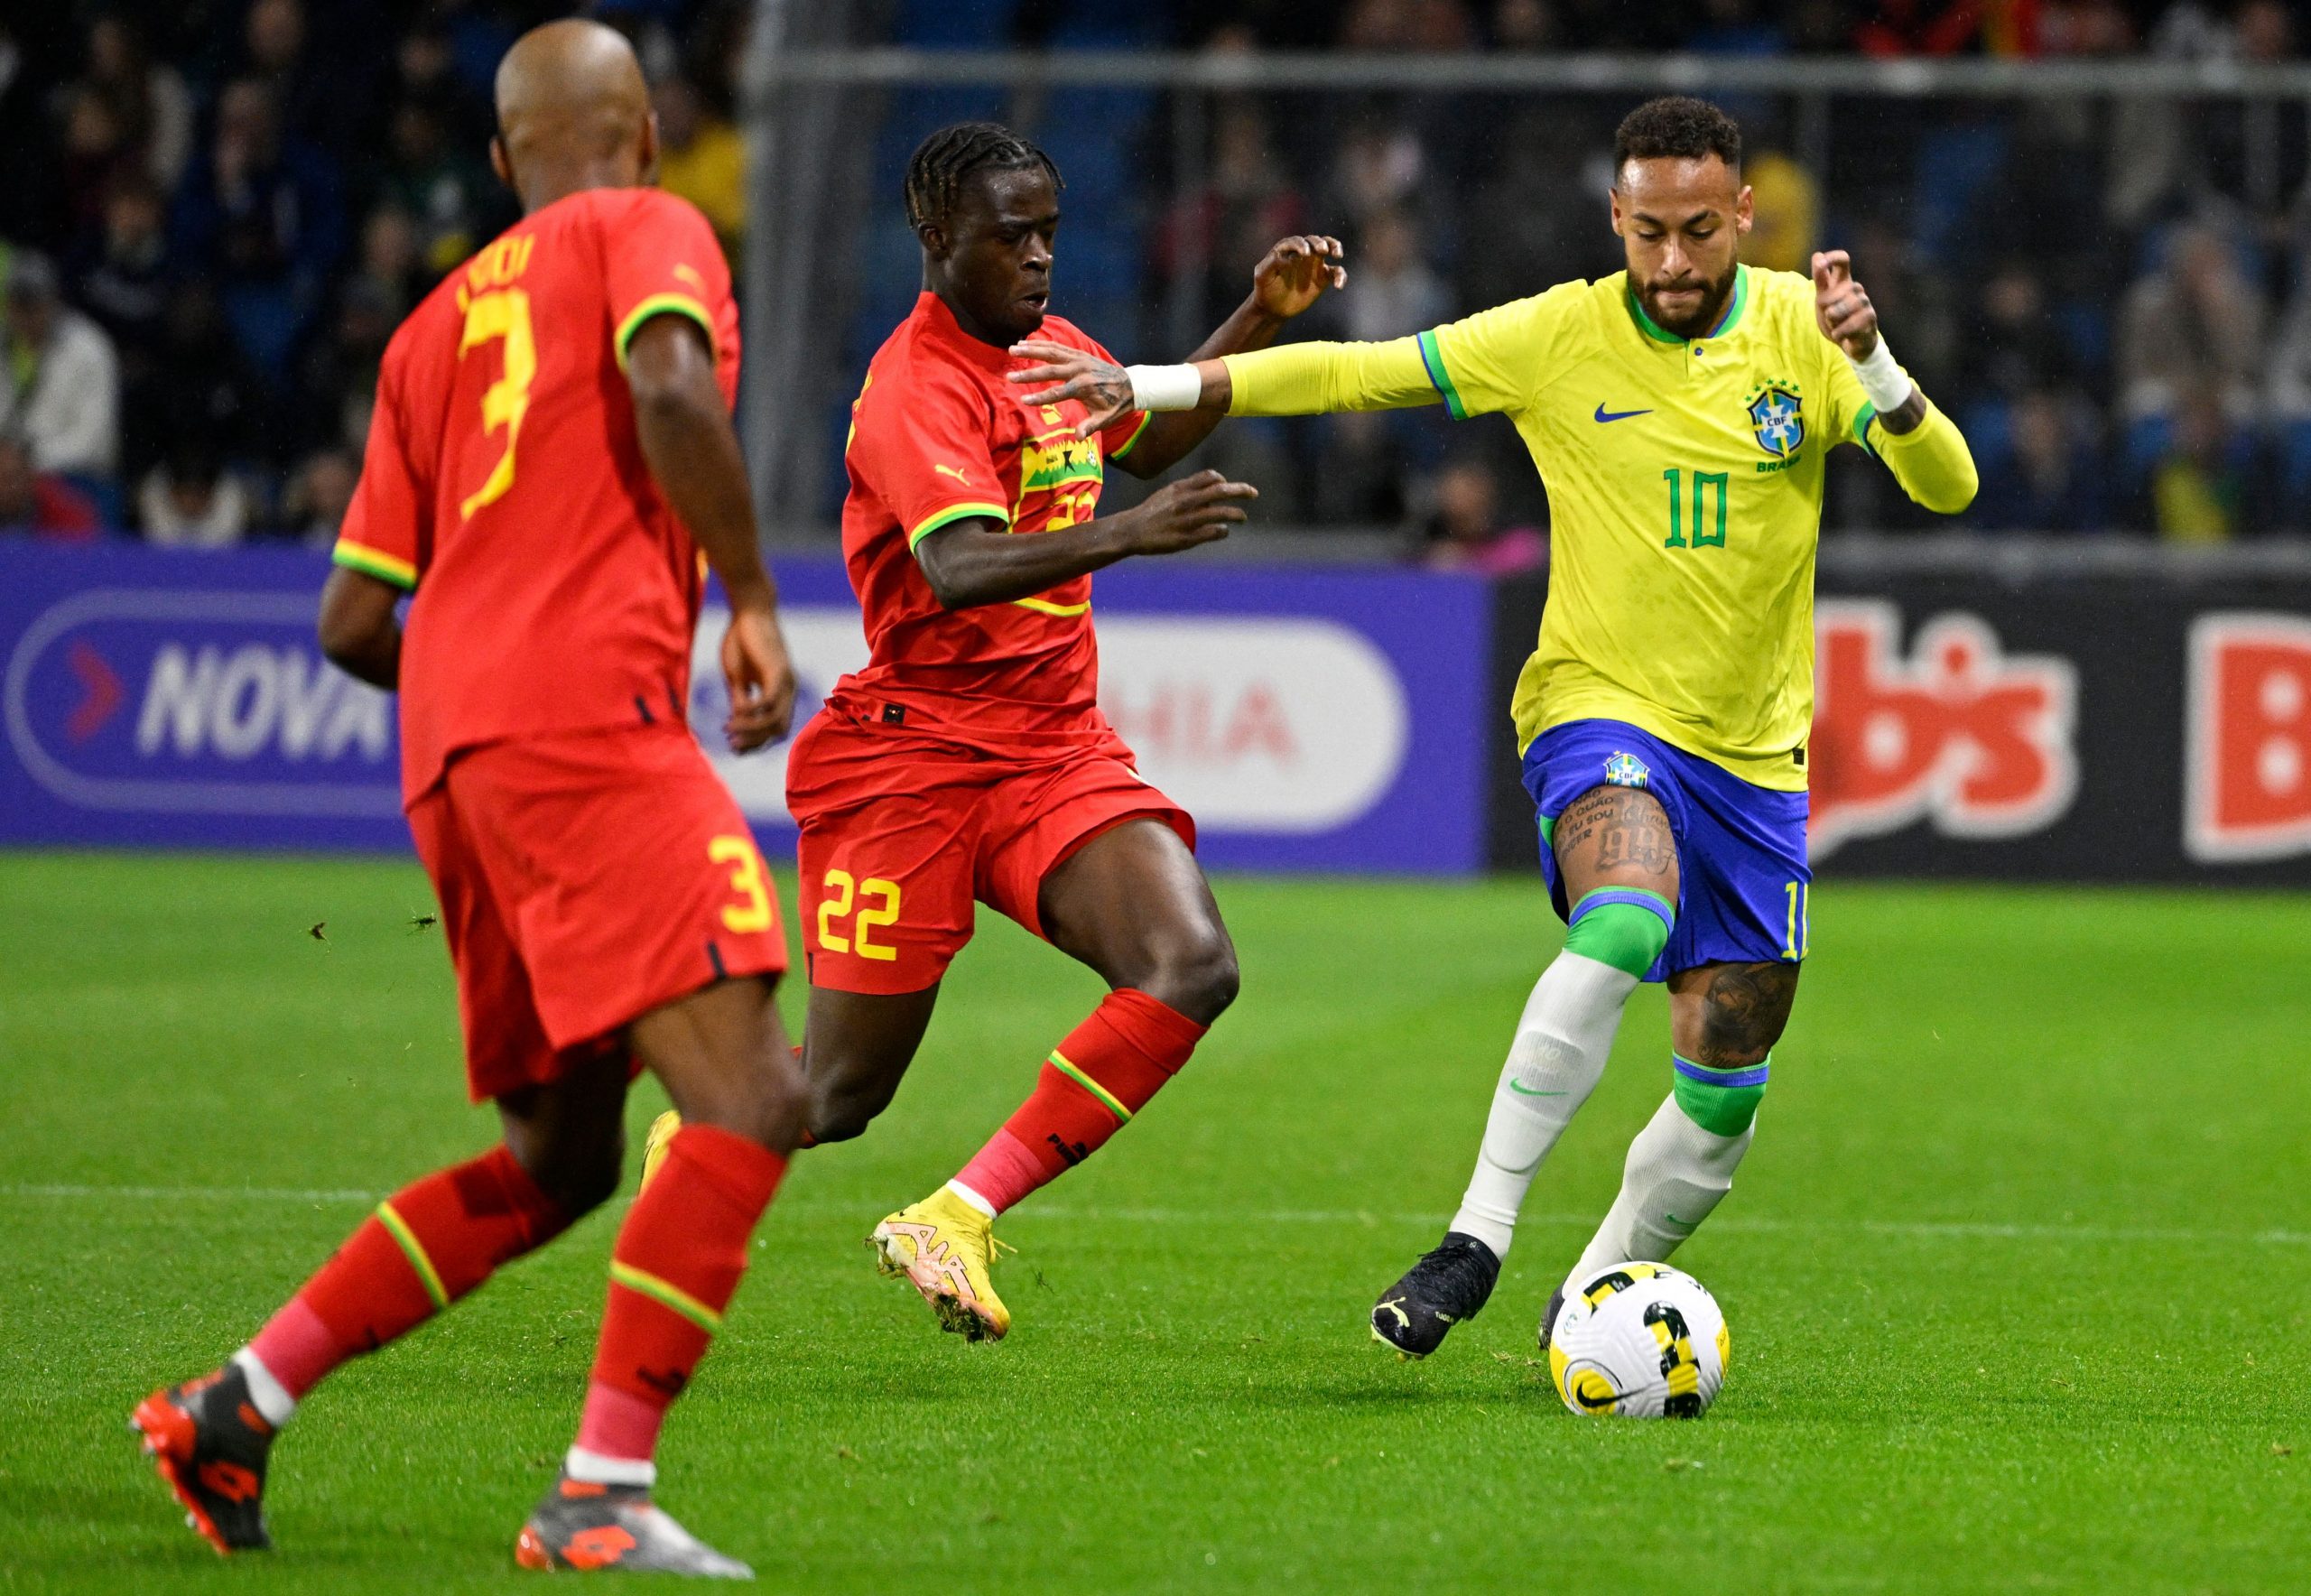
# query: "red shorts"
{"type": "Point", "coordinates": [901, 836]}
{"type": "Point", "coordinates": [586, 879]}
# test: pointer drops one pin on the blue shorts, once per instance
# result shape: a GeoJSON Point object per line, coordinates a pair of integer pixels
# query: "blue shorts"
{"type": "Point", "coordinates": [1743, 879]}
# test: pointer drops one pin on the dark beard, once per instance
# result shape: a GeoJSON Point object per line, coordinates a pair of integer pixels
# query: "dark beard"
{"type": "Point", "coordinates": [1712, 307]}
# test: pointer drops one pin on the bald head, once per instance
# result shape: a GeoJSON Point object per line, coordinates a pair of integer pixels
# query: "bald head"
{"type": "Point", "coordinates": [572, 112]}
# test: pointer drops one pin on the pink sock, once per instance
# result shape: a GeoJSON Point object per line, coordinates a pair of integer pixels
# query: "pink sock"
{"type": "Point", "coordinates": [619, 1425]}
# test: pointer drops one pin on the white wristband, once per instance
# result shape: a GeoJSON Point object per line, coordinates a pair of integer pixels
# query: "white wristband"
{"type": "Point", "coordinates": [1165, 387]}
{"type": "Point", "coordinates": [1887, 384]}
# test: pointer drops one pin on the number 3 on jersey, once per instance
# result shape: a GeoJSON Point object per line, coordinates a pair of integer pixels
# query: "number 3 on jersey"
{"type": "Point", "coordinates": [841, 894]}
{"type": "Point", "coordinates": [493, 312]}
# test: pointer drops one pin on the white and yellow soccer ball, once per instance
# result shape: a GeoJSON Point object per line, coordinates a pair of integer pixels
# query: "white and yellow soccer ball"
{"type": "Point", "coordinates": [1638, 1341]}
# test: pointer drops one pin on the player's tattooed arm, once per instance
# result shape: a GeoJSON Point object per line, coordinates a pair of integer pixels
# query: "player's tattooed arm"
{"type": "Point", "coordinates": [1290, 278]}
{"type": "Point", "coordinates": [360, 631]}
{"type": "Point", "coordinates": [685, 428]}
{"type": "Point", "coordinates": [975, 562]}
{"type": "Point", "coordinates": [1848, 319]}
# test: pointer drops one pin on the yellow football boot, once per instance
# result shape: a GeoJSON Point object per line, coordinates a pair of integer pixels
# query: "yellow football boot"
{"type": "Point", "coordinates": [653, 1147]}
{"type": "Point", "coordinates": [945, 1249]}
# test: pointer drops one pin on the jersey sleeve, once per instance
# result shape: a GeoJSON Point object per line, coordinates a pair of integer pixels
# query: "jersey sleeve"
{"type": "Point", "coordinates": [661, 258]}
{"type": "Point", "coordinates": [1499, 360]}
{"type": "Point", "coordinates": [384, 526]}
{"type": "Point", "coordinates": [924, 447]}
{"type": "Point", "coordinates": [1851, 416]}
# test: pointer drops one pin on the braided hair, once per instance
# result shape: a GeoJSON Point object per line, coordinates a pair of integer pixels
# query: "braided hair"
{"type": "Point", "coordinates": [936, 171]}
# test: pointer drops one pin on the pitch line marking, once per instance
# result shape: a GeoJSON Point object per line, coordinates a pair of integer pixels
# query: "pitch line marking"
{"type": "Point", "coordinates": [1987, 1230]}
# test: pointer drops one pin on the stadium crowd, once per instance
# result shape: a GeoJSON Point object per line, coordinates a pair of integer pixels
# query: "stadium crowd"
{"type": "Point", "coordinates": [213, 213]}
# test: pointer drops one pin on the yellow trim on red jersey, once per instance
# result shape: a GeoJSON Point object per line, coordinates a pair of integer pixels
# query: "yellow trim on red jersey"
{"type": "Point", "coordinates": [1124, 448]}
{"type": "Point", "coordinates": [1045, 607]}
{"type": "Point", "coordinates": [933, 522]}
{"type": "Point", "coordinates": [662, 304]}
{"type": "Point", "coordinates": [374, 563]}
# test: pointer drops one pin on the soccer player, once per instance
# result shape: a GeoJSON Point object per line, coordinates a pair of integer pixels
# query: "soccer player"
{"type": "Point", "coordinates": [1679, 411]}
{"type": "Point", "coordinates": [969, 762]}
{"type": "Point", "coordinates": [550, 457]}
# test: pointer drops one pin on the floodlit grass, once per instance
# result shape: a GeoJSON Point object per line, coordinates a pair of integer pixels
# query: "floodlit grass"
{"type": "Point", "coordinates": [2016, 1272]}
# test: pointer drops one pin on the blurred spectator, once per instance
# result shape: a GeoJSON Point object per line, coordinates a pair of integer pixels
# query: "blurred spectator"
{"type": "Point", "coordinates": [314, 506]}
{"type": "Point", "coordinates": [2046, 478]}
{"type": "Point", "coordinates": [96, 156]}
{"type": "Point", "coordinates": [59, 386]}
{"type": "Point", "coordinates": [701, 158]}
{"type": "Point", "coordinates": [1390, 293]}
{"type": "Point", "coordinates": [1540, 217]}
{"type": "Point", "coordinates": [388, 264]}
{"type": "Point", "coordinates": [37, 503]}
{"type": "Point", "coordinates": [445, 191]}
{"type": "Point", "coordinates": [190, 500]}
{"type": "Point", "coordinates": [1464, 530]}
{"type": "Point", "coordinates": [1376, 167]}
{"type": "Point", "coordinates": [124, 281]}
{"type": "Point", "coordinates": [2195, 323]}
{"type": "Point", "coordinates": [2083, 27]}
{"type": "Point", "coordinates": [1398, 25]}
{"type": "Point", "coordinates": [2012, 344]}
{"type": "Point", "coordinates": [261, 215]}
{"type": "Point", "coordinates": [1789, 206]}
{"type": "Point", "coordinates": [2198, 485]}
{"type": "Point", "coordinates": [204, 384]}
{"type": "Point", "coordinates": [1248, 204]}
{"type": "Point", "coordinates": [340, 375]}
{"type": "Point", "coordinates": [147, 99]}
{"type": "Point", "coordinates": [1525, 25]}
{"type": "Point", "coordinates": [1735, 27]}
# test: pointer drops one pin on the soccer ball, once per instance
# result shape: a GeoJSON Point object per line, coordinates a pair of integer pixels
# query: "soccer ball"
{"type": "Point", "coordinates": [1638, 1341]}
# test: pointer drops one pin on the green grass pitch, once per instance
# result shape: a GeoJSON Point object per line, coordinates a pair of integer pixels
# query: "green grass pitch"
{"type": "Point", "coordinates": [2016, 1272]}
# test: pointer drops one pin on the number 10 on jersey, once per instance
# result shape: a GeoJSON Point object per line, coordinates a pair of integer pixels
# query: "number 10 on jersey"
{"type": "Point", "coordinates": [1708, 528]}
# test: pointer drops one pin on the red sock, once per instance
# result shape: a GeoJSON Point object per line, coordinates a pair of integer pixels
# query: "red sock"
{"type": "Point", "coordinates": [1099, 1078]}
{"type": "Point", "coordinates": [678, 1259]}
{"type": "Point", "coordinates": [426, 1246]}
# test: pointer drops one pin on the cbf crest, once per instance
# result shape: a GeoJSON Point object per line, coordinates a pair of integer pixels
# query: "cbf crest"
{"type": "Point", "coordinates": [1627, 770]}
{"type": "Point", "coordinates": [1777, 417]}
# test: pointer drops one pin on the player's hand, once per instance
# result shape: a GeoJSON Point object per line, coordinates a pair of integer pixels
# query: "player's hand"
{"type": "Point", "coordinates": [1071, 373]}
{"type": "Point", "coordinates": [1198, 509]}
{"type": "Point", "coordinates": [760, 677]}
{"type": "Point", "coordinates": [1843, 306]}
{"type": "Point", "coordinates": [1293, 276]}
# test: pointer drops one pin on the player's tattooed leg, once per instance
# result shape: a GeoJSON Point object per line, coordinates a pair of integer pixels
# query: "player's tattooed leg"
{"type": "Point", "coordinates": [1616, 837]}
{"type": "Point", "coordinates": [1728, 1016]}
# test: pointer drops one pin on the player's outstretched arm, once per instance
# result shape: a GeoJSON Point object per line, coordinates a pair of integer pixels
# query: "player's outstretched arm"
{"type": "Point", "coordinates": [1298, 379]}
{"type": "Point", "coordinates": [686, 437]}
{"type": "Point", "coordinates": [975, 562]}
{"type": "Point", "coordinates": [1920, 445]}
{"type": "Point", "coordinates": [360, 631]}
{"type": "Point", "coordinates": [1289, 279]}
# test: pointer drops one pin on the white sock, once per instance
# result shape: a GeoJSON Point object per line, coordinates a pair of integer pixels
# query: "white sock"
{"type": "Point", "coordinates": [593, 1467]}
{"type": "Point", "coordinates": [1563, 1039]}
{"type": "Point", "coordinates": [1677, 1173]}
{"type": "Point", "coordinates": [271, 1398]}
{"type": "Point", "coordinates": [972, 1197]}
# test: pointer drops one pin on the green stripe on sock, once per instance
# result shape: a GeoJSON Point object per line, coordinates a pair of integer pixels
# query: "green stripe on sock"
{"type": "Point", "coordinates": [415, 1251]}
{"type": "Point", "coordinates": [1719, 1110]}
{"type": "Point", "coordinates": [1059, 1061]}
{"type": "Point", "coordinates": [666, 1294]}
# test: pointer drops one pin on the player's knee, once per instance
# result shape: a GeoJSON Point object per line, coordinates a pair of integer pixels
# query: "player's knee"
{"type": "Point", "coordinates": [1743, 1014]}
{"type": "Point", "coordinates": [577, 1178]}
{"type": "Point", "coordinates": [844, 1101]}
{"type": "Point", "coordinates": [1623, 926]}
{"type": "Point", "coordinates": [1195, 974]}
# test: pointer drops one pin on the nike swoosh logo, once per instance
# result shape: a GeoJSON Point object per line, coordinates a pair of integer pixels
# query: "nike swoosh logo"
{"type": "Point", "coordinates": [1528, 1092]}
{"type": "Point", "coordinates": [1619, 415]}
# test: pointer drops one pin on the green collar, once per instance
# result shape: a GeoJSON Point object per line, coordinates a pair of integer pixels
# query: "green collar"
{"type": "Point", "coordinates": [1725, 323]}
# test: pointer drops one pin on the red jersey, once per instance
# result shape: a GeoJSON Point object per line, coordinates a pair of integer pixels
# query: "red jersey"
{"type": "Point", "coordinates": [504, 484]}
{"type": "Point", "coordinates": [938, 436]}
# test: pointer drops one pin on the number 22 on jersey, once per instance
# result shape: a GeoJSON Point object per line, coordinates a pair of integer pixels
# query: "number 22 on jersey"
{"type": "Point", "coordinates": [496, 310]}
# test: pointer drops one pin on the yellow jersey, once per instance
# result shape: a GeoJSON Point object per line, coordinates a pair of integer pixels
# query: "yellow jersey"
{"type": "Point", "coordinates": [1685, 481]}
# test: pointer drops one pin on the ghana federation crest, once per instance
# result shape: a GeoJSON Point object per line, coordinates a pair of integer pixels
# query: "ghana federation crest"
{"type": "Point", "coordinates": [1777, 417]}
{"type": "Point", "coordinates": [1627, 770]}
